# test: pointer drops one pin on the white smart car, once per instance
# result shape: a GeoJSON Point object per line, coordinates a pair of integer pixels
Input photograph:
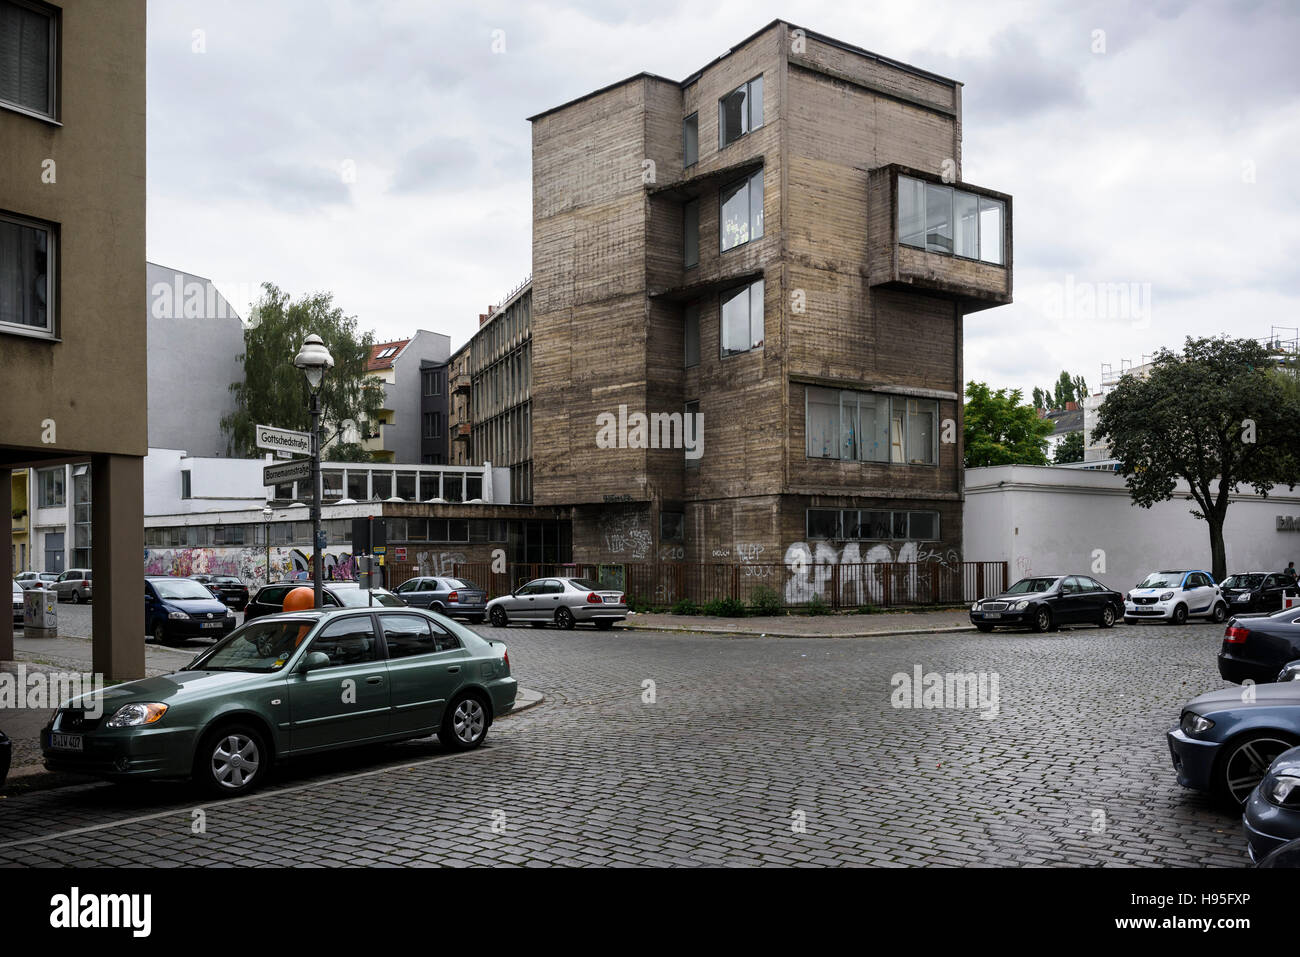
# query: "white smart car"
{"type": "Point", "coordinates": [1176, 596]}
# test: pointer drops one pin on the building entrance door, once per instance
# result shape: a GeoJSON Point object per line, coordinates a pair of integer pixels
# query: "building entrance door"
{"type": "Point", "coordinates": [54, 551]}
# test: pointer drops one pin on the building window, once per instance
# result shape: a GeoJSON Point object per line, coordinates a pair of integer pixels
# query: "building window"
{"type": "Point", "coordinates": [432, 383]}
{"type": "Point", "coordinates": [432, 425]}
{"type": "Point", "coordinates": [691, 229]}
{"type": "Point", "coordinates": [691, 140]}
{"type": "Point", "coordinates": [870, 427]}
{"type": "Point", "coordinates": [28, 57]}
{"type": "Point", "coordinates": [672, 528]}
{"type": "Point", "coordinates": [49, 487]}
{"type": "Point", "coordinates": [872, 525]}
{"type": "Point", "coordinates": [941, 219]}
{"type": "Point", "coordinates": [740, 111]}
{"type": "Point", "coordinates": [185, 483]}
{"type": "Point", "coordinates": [27, 260]}
{"type": "Point", "coordinates": [692, 344]}
{"type": "Point", "coordinates": [740, 212]}
{"type": "Point", "coordinates": [742, 319]}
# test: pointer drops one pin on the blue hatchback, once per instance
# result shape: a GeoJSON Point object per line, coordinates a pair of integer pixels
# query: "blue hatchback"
{"type": "Point", "coordinates": [177, 609]}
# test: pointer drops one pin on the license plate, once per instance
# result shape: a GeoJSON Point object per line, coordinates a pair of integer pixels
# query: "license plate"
{"type": "Point", "coordinates": [993, 614]}
{"type": "Point", "coordinates": [66, 742]}
{"type": "Point", "coordinates": [211, 624]}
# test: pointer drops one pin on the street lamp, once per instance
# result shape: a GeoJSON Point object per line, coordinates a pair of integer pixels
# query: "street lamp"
{"type": "Point", "coordinates": [315, 360]}
{"type": "Point", "coordinates": [266, 516]}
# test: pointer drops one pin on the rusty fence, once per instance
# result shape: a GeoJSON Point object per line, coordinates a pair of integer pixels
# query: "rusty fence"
{"type": "Point", "coordinates": [841, 586]}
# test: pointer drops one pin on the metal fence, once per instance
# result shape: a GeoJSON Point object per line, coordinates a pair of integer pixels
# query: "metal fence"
{"type": "Point", "coordinates": [841, 586]}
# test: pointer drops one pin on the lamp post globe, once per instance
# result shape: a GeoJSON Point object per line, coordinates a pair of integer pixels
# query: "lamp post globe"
{"type": "Point", "coordinates": [315, 360]}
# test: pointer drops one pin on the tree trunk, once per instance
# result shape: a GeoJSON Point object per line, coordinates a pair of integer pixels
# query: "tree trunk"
{"type": "Point", "coordinates": [1218, 557]}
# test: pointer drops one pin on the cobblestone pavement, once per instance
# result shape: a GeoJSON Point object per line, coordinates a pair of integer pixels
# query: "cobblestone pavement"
{"type": "Point", "coordinates": [754, 751]}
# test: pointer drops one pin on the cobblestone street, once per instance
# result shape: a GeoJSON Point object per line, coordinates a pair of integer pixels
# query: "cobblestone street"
{"type": "Point", "coordinates": [754, 751]}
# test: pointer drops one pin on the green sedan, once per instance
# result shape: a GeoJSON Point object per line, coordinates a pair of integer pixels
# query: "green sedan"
{"type": "Point", "coordinates": [288, 685]}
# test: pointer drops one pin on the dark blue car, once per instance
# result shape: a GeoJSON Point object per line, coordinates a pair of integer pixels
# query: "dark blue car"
{"type": "Point", "coordinates": [1272, 813]}
{"type": "Point", "coordinates": [1226, 740]}
{"type": "Point", "coordinates": [178, 609]}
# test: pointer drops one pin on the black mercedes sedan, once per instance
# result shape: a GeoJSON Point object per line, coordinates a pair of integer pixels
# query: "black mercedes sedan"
{"type": "Point", "coordinates": [1045, 601]}
{"type": "Point", "coordinates": [1257, 648]}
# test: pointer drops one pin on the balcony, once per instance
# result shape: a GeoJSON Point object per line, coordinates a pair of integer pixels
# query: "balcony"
{"type": "Point", "coordinates": [462, 430]}
{"type": "Point", "coordinates": [951, 240]}
{"type": "Point", "coordinates": [460, 384]}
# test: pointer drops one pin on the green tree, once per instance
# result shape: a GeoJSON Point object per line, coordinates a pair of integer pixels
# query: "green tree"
{"type": "Point", "coordinates": [1070, 449]}
{"type": "Point", "coordinates": [274, 392]}
{"type": "Point", "coordinates": [1000, 430]}
{"type": "Point", "coordinates": [1217, 416]}
{"type": "Point", "coordinates": [1040, 399]}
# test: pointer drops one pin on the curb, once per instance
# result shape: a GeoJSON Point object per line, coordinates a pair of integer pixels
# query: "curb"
{"type": "Point", "coordinates": [33, 777]}
{"type": "Point", "coordinates": [674, 629]}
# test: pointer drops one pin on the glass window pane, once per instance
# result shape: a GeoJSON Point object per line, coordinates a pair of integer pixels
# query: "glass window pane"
{"type": "Point", "coordinates": [756, 102]}
{"type": "Point", "coordinates": [924, 526]}
{"type": "Point", "coordinates": [692, 345]}
{"type": "Point", "coordinates": [733, 117]}
{"type": "Point", "coordinates": [25, 57]}
{"type": "Point", "coordinates": [938, 218]}
{"type": "Point", "coordinates": [733, 210]}
{"type": "Point", "coordinates": [822, 423]}
{"type": "Point", "coordinates": [756, 315]}
{"type": "Point", "coordinates": [756, 205]}
{"type": "Point", "coordinates": [849, 434]}
{"type": "Point", "coordinates": [911, 211]}
{"type": "Point", "coordinates": [875, 526]}
{"type": "Point", "coordinates": [920, 432]}
{"type": "Point", "coordinates": [900, 525]}
{"type": "Point", "coordinates": [898, 411]}
{"type": "Point", "coordinates": [381, 484]}
{"type": "Point", "coordinates": [691, 224]}
{"type": "Point", "coordinates": [406, 485]}
{"type": "Point", "coordinates": [691, 139]}
{"type": "Point", "coordinates": [24, 274]}
{"type": "Point", "coordinates": [735, 322]}
{"type": "Point", "coordinates": [873, 412]}
{"type": "Point", "coordinates": [965, 210]}
{"type": "Point", "coordinates": [991, 231]}
{"type": "Point", "coordinates": [823, 523]}
{"type": "Point", "coordinates": [357, 485]}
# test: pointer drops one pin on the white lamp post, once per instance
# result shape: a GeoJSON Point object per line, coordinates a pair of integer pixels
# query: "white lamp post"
{"type": "Point", "coordinates": [315, 360]}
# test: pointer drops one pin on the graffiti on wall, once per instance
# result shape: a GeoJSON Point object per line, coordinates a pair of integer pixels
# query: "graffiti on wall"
{"type": "Point", "coordinates": [439, 563]}
{"type": "Point", "coordinates": [625, 533]}
{"type": "Point", "coordinates": [247, 563]}
{"type": "Point", "coordinates": [861, 580]}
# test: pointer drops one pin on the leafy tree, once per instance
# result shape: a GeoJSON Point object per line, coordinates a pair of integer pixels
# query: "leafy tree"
{"type": "Point", "coordinates": [1000, 430]}
{"type": "Point", "coordinates": [1070, 449]}
{"type": "Point", "coordinates": [1218, 413]}
{"type": "Point", "coordinates": [1040, 400]}
{"type": "Point", "coordinates": [274, 392]}
{"type": "Point", "coordinates": [1080, 388]}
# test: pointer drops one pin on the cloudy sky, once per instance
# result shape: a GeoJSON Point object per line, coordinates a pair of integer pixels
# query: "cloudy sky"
{"type": "Point", "coordinates": [378, 149]}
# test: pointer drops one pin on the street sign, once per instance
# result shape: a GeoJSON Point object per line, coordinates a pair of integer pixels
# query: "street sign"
{"type": "Point", "coordinates": [380, 549]}
{"type": "Point", "coordinates": [400, 553]}
{"type": "Point", "coordinates": [295, 470]}
{"type": "Point", "coordinates": [283, 440]}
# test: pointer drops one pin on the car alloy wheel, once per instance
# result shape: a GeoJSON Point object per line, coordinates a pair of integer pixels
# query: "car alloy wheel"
{"type": "Point", "coordinates": [1108, 617]}
{"type": "Point", "coordinates": [1220, 613]}
{"type": "Point", "coordinates": [465, 724]}
{"type": "Point", "coordinates": [1246, 763]}
{"type": "Point", "coordinates": [160, 633]}
{"type": "Point", "coordinates": [233, 760]}
{"type": "Point", "coordinates": [499, 619]}
{"type": "Point", "coordinates": [564, 618]}
{"type": "Point", "coordinates": [1180, 615]}
{"type": "Point", "coordinates": [1042, 619]}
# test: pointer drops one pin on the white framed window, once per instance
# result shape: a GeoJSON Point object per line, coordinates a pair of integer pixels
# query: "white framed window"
{"type": "Point", "coordinates": [740, 111]}
{"type": "Point", "coordinates": [740, 212]}
{"type": "Point", "coordinates": [742, 319]}
{"type": "Point", "coordinates": [29, 51]}
{"type": "Point", "coordinates": [28, 262]}
{"type": "Point", "coordinates": [49, 487]}
{"type": "Point", "coordinates": [942, 219]}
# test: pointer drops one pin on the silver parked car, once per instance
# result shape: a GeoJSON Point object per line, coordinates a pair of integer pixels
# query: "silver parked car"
{"type": "Point", "coordinates": [36, 580]}
{"type": "Point", "coordinates": [564, 601]}
{"type": "Point", "coordinates": [453, 597]}
{"type": "Point", "coordinates": [73, 585]}
{"type": "Point", "coordinates": [18, 604]}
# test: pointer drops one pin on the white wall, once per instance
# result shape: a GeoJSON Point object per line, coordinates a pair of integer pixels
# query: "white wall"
{"type": "Point", "coordinates": [1043, 520]}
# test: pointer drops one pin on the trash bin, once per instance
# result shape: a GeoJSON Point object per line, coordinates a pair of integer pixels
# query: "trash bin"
{"type": "Point", "coordinates": [6, 755]}
{"type": "Point", "coordinates": [40, 613]}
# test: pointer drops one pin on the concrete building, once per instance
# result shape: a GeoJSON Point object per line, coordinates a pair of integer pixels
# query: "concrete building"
{"type": "Point", "coordinates": [1043, 521]}
{"type": "Point", "coordinates": [397, 435]}
{"type": "Point", "coordinates": [73, 306]}
{"type": "Point", "coordinates": [783, 244]}
{"type": "Point", "coordinates": [499, 401]}
{"type": "Point", "coordinates": [196, 347]}
{"type": "Point", "coordinates": [460, 423]}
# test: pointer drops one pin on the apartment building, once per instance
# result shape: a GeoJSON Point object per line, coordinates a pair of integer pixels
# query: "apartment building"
{"type": "Point", "coordinates": [460, 423]}
{"type": "Point", "coordinates": [500, 404]}
{"type": "Point", "coordinates": [783, 244]}
{"type": "Point", "coordinates": [73, 303]}
{"type": "Point", "coordinates": [399, 433]}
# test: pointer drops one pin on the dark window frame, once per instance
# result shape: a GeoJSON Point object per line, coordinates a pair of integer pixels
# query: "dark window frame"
{"type": "Point", "coordinates": [55, 66]}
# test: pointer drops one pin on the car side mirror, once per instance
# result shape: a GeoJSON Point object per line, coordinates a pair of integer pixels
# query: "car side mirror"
{"type": "Point", "coordinates": [314, 661]}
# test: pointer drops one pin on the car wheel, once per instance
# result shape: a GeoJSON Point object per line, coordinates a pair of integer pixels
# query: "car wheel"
{"type": "Point", "coordinates": [564, 618]}
{"type": "Point", "coordinates": [436, 608]}
{"type": "Point", "coordinates": [1180, 615]}
{"type": "Point", "coordinates": [1107, 617]}
{"type": "Point", "coordinates": [1244, 762]}
{"type": "Point", "coordinates": [232, 760]}
{"type": "Point", "coordinates": [1220, 614]}
{"type": "Point", "coordinates": [1042, 619]}
{"type": "Point", "coordinates": [499, 619]}
{"type": "Point", "coordinates": [465, 724]}
{"type": "Point", "coordinates": [160, 633]}
{"type": "Point", "coordinates": [984, 628]}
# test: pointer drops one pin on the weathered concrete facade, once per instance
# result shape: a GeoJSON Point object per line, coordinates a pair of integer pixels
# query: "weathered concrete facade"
{"type": "Point", "coordinates": [640, 259]}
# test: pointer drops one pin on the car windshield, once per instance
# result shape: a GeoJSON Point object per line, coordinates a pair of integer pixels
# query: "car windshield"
{"type": "Point", "coordinates": [461, 583]}
{"type": "Point", "coordinates": [181, 589]}
{"type": "Point", "coordinates": [1029, 586]}
{"type": "Point", "coordinates": [262, 646]}
{"type": "Point", "coordinates": [1162, 580]}
{"type": "Point", "coordinates": [356, 597]}
{"type": "Point", "coordinates": [1243, 581]}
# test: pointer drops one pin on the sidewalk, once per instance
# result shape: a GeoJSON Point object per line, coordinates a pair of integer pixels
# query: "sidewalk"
{"type": "Point", "coordinates": [808, 626]}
